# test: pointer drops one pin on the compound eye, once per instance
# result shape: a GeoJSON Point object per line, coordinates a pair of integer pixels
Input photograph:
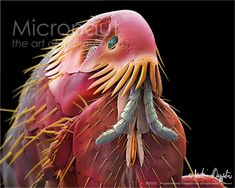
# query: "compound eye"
{"type": "Point", "coordinates": [112, 42]}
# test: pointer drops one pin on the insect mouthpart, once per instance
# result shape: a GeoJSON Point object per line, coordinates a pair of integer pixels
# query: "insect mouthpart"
{"type": "Point", "coordinates": [129, 124]}
{"type": "Point", "coordinates": [137, 71]}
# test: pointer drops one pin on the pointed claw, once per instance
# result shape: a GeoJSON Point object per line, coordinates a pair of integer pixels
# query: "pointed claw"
{"type": "Point", "coordinates": [103, 79]}
{"type": "Point", "coordinates": [124, 79]}
{"type": "Point", "coordinates": [159, 81]}
{"type": "Point", "coordinates": [132, 79]}
{"type": "Point", "coordinates": [99, 66]}
{"type": "Point", "coordinates": [52, 65]}
{"type": "Point", "coordinates": [55, 57]}
{"type": "Point", "coordinates": [142, 75]}
{"type": "Point", "coordinates": [117, 77]}
{"type": "Point", "coordinates": [102, 72]}
{"type": "Point", "coordinates": [153, 76]}
{"type": "Point", "coordinates": [53, 71]}
{"type": "Point", "coordinates": [101, 87]}
{"type": "Point", "coordinates": [58, 50]}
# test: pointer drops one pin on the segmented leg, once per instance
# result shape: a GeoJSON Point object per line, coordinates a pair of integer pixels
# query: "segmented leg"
{"type": "Point", "coordinates": [152, 118]}
{"type": "Point", "coordinates": [126, 118]}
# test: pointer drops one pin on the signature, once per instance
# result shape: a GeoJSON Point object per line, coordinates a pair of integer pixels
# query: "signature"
{"type": "Point", "coordinates": [215, 173]}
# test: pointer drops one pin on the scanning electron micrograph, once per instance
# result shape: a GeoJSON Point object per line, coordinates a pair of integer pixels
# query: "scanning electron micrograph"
{"type": "Point", "coordinates": [91, 114]}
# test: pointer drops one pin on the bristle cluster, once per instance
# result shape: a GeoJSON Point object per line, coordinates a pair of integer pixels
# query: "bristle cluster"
{"type": "Point", "coordinates": [135, 71]}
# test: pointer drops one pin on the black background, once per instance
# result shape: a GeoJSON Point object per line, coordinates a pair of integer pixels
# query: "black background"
{"type": "Point", "coordinates": [195, 40]}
